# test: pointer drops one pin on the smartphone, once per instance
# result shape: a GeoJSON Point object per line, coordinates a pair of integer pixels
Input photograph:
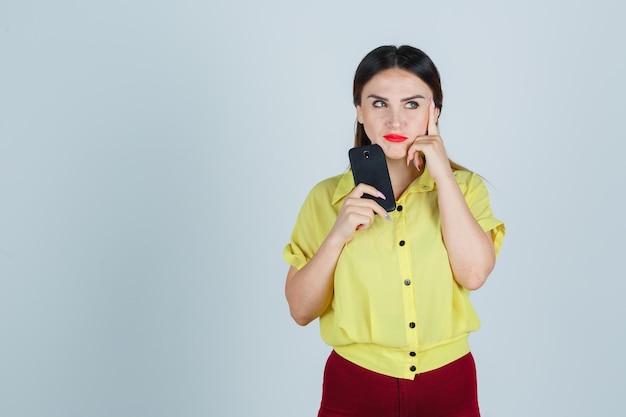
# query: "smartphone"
{"type": "Point", "coordinates": [369, 166]}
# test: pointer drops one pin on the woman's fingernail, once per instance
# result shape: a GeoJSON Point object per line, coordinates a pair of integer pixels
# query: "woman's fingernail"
{"type": "Point", "coordinates": [381, 195]}
{"type": "Point", "coordinates": [387, 217]}
{"type": "Point", "coordinates": [416, 165]}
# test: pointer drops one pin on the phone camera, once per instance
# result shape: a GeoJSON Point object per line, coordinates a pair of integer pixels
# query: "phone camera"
{"type": "Point", "coordinates": [366, 154]}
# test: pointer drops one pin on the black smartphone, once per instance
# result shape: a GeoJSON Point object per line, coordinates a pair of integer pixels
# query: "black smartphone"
{"type": "Point", "coordinates": [369, 166]}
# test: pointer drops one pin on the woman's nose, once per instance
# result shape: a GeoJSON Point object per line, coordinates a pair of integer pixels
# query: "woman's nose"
{"type": "Point", "coordinates": [395, 118]}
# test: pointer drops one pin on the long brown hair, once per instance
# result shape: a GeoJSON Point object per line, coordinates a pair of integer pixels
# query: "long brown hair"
{"type": "Point", "coordinates": [404, 57]}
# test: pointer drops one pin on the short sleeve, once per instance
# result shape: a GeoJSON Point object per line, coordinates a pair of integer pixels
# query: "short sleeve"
{"type": "Point", "coordinates": [477, 198]}
{"type": "Point", "coordinates": [315, 219]}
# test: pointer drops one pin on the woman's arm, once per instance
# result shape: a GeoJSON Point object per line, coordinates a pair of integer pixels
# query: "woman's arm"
{"type": "Point", "coordinates": [470, 249]}
{"type": "Point", "coordinates": [310, 289]}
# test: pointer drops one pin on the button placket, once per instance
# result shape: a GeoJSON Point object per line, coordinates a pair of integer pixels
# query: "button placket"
{"type": "Point", "coordinates": [408, 293]}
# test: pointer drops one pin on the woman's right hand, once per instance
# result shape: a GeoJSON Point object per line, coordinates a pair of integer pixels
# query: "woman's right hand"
{"type": "Point", "coordinates": [358, 213]}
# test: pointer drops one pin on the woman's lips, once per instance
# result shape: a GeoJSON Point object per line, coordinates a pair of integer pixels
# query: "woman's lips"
{"type": "Point", "coordinates": [395, 138]}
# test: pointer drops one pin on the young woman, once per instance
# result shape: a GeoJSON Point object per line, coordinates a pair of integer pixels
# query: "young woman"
{"type": "Point", "coordinates": [392, 289]}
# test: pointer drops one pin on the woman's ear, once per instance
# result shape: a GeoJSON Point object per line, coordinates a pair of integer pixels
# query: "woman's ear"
{"type": "Point", "coordinates": [359, 114]}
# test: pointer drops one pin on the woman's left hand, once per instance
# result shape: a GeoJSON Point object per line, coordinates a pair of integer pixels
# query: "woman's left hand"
{"type": "Point", "coordinates": [431, 146]}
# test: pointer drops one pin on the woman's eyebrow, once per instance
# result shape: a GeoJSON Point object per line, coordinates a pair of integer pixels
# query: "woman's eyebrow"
{"type": "Point", "coordinates": [413, 97]}
{"type": "Point", "coordinates": [374, 96]}
{"type": "Point", "coordinates": [377, 97]}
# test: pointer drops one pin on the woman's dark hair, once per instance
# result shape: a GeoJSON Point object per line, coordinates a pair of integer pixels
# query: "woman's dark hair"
{"type": "Point", "coordinates": [404, 57]}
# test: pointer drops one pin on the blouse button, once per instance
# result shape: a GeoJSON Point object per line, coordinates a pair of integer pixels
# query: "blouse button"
{"type": "Point", "coordinates": [407, 282]}
{"type": "Point", "coordinates": [399, 208]}
{"type": "Point", "coordinates": [412, 353]}
{"type": "Point", "coordinates": [402, 242]}
{"type": "Point", "coordinates": [413, 368]}
{"type": "Point", "coordinates": [412, 325]}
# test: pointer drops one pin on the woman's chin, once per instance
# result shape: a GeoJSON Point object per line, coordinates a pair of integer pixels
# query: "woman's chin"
{"type": "Point", "coordinates": [394, 156]}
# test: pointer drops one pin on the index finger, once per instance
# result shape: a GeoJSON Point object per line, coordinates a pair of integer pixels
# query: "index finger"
{"type": "Point", "coordinates": [433, 129]}
{"type": "Point", "coordinates": [362, 189]}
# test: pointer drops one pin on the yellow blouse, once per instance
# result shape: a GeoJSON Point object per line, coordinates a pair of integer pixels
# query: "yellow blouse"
{"type": "Point", "coordinates": [396, 308]}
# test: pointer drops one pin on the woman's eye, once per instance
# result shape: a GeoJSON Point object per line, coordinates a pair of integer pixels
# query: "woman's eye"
{"type": "Point", "coordinates": [378, 103]}
{"type": "Point", "coordinates": [411, 105]}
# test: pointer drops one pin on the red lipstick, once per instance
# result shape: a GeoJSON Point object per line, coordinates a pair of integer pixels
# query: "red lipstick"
{"type": "Point", "coordinates": [392, 137]}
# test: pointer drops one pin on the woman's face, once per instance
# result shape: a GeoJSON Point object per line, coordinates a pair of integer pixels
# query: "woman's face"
{"type": "Point", "coordinates": [394, 110]}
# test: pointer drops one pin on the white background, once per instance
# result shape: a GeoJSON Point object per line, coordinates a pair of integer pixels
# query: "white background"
{"type": "Point", "coordinates": [154, 156]}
